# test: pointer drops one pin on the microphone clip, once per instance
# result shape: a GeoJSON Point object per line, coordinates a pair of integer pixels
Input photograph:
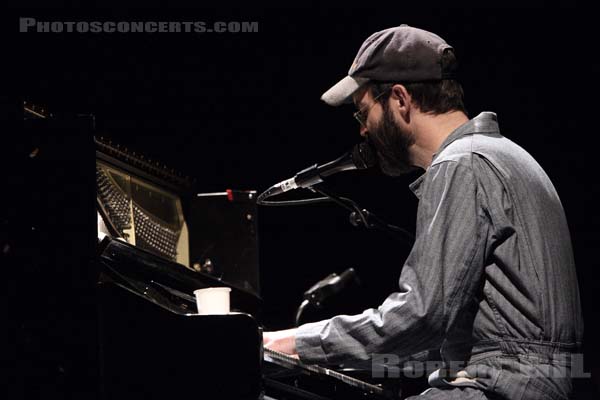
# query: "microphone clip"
{"type": "Point", "coordinates": [308, 177]}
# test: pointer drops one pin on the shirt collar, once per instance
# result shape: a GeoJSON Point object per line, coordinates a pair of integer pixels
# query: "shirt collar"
{"type": "Point", "coordinates": [485, 122]}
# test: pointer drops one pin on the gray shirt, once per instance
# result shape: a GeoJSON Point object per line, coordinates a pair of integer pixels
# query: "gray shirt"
{"type": "Point", "coordinates": [491, 269]}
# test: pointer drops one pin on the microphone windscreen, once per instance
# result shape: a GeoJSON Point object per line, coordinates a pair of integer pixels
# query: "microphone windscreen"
{"type": "Point", "coordinates": [363, 155]}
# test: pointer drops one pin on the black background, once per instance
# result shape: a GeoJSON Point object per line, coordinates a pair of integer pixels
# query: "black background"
{"type": "Point", "coordinates": [242, 111]}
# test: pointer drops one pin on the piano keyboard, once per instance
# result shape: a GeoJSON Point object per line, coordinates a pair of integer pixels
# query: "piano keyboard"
{"type": "Point", "coordinates": [288, 361]}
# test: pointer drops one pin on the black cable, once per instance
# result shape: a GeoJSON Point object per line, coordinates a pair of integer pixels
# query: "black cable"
{"type": "Point", "coordinates": [302, 202]}
{"type": "Point", "coordinates": [299, 311]}
{"type": "Point", "coordinates": [327, 198]}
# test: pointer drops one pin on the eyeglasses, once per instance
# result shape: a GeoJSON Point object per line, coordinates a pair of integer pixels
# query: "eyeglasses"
{"type": "Point", "coordinates": [362, 114]}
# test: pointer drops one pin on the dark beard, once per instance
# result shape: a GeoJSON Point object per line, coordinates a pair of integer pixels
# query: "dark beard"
{"type": "Point", "coordinates": [391, 145]}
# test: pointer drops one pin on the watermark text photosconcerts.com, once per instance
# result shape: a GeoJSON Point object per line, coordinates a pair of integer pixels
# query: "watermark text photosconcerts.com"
{"type": "Point", "coordinates": [28, 24]}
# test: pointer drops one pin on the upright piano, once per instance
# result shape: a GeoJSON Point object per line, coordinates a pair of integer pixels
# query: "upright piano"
{"type": "Point", "coordinates": [154, 344]}
{"type": "Point", "coordinates": [106, 253]}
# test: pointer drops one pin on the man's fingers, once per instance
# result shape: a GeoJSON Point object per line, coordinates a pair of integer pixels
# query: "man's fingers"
{"type": "Point", "coordinates": [282, 341]}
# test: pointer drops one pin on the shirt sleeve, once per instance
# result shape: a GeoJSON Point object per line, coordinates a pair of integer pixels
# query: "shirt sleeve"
{"type": "Point", "coordinates": [438, 279]}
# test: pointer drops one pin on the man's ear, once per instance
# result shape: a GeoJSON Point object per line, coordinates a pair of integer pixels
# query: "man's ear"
{"type": "Point", "coordinates": [401, 100]}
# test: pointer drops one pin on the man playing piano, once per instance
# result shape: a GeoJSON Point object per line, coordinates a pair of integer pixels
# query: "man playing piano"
{"type": "Point", "coordinates": [490, 282]}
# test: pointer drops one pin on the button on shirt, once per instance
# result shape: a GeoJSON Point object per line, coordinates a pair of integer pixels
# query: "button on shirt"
{"type": "Point", "coordinates": [491, 268]}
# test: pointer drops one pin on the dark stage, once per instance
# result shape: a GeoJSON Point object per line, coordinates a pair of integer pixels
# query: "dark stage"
{"type": "Point", "coordinates": [242, 111]}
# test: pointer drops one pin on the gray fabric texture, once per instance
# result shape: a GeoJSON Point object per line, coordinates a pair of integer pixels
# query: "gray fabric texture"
{"type": "Point", "coordinates": [491, 276]}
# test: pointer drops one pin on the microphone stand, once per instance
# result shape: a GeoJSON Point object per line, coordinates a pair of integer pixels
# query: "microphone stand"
{"type": "Point", "coordinates": [362, 217]}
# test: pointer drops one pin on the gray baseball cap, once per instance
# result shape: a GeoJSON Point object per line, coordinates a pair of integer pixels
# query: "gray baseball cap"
{"type": "Point", "coordinates": [399, 54]}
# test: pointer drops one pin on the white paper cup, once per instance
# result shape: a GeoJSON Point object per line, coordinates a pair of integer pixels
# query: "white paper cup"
{"type": "Point", "coordinates": [213, 300]}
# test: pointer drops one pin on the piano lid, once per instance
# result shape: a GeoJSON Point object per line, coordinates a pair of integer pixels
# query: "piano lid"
{"type": "Point", "coordinates": [115, 255]}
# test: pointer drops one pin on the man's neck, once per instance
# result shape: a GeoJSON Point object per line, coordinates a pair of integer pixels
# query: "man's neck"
{"type": "Point", "coordinates": [430, 132]}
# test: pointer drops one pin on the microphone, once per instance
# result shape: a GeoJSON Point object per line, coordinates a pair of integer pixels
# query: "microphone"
{"type": "Point", "coordinates": [329, 286]}
{"type": "Point", "coordinates": [362, 156]}
{"type": "Point", "coordinates": [325, 288]}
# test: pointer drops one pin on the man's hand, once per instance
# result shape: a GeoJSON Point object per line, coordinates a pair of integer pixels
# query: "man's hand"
{"type": "Point", "coordinates": [282, 341]}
